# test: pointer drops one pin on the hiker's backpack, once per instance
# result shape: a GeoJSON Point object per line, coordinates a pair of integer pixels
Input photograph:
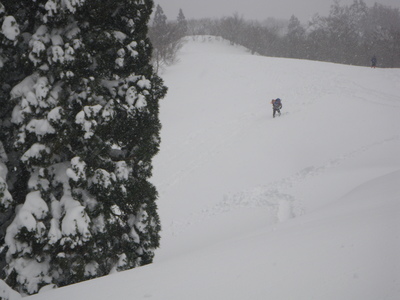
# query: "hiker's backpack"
{"type": "Point", "coordinates": [277, 102]}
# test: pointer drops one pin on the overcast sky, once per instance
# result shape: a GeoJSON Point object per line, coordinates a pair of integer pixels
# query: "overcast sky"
{"type": "Point", "coordinates": [255, 9]}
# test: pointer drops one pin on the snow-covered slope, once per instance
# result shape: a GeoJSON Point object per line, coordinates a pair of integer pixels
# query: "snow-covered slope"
{"type": "Point", "coordinates": [303, 206]}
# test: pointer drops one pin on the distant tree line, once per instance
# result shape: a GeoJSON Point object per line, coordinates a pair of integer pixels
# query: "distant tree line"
{"type": "Point", "coordinates": [350, 34]}
{"type": "Point", "coordinates": [166, 37]}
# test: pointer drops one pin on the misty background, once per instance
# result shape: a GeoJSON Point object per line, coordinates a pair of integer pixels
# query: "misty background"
{"type": "Point", "coordinates": [358, 32]}
{"type": "Point", "coordinates": [257, 9]}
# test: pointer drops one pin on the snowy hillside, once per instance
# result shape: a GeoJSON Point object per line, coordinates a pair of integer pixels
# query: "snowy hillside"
{"type": "Point", "coordinates": [303, 206]}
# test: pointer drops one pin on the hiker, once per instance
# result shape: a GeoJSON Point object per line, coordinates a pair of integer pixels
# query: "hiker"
{"type": "Point", "coordinates": [276, 106]}
{"type": "Point", "coordinates": [373, 62]}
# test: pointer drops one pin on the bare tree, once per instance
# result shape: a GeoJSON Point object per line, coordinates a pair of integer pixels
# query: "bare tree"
{"type": "Point", "coordinates": [166, 37]}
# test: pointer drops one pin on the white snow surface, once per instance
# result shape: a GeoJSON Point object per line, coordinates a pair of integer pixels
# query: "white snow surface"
{"type": "Point", "coordinates": [303, 206]}
{"type": "Point", "coordinates": [10, 28]}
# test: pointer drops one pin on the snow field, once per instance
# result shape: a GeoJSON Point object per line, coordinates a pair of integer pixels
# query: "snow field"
{"type": "Point", "coordinates": [303, 206]}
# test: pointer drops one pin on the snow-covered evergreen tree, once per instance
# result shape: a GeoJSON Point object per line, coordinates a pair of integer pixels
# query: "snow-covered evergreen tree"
{"type": "Point", "coordinates": [160, 37]}
{"type": "Point", "coordinates": [6, 202]}
{"type": "Point", "coordinates": [182, 24]}
{"type": "Point", "coordinates": [84, 128]}
{"type": "Point", "coordinates": [9, 32]}
{"type": "Point", "coordinates": [160, 27]}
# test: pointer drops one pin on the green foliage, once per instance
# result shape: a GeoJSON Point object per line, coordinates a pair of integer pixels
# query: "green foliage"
{"type": "Point", "coordinates": [82, 129]}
